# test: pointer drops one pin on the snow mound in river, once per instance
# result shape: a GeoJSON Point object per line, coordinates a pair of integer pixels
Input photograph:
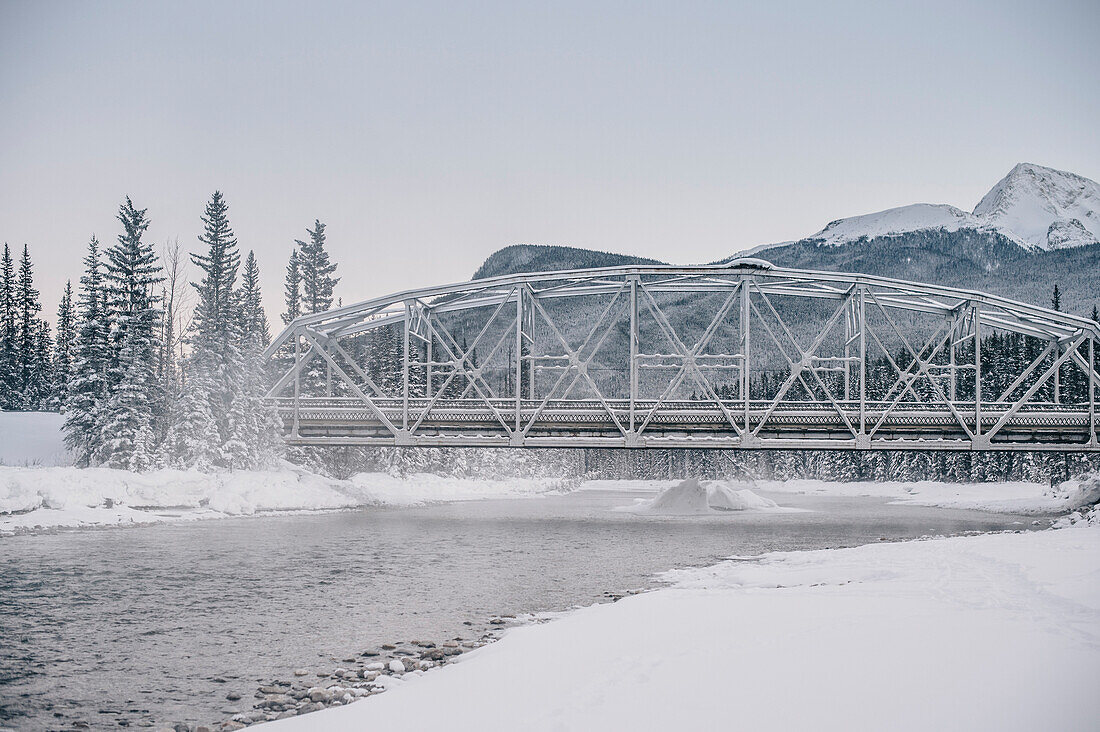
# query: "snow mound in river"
{"type": "Point", "coordinates": [723, 497]}
{"type": "Point", "coordinates": [693, 497]}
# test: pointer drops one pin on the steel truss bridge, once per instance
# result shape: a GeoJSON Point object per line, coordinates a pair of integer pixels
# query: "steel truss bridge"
{"type": "Point", "coordinates": [742, 355]}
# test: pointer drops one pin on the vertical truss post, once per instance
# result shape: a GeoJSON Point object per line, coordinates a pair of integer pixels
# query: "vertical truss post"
{"type": "Point", "coordinates": [1057, 374]}
{"type": "Point", "coordinates": [532, 370]}
{"type": "Point", "coordinates": [407, 323]}
{"type": "Point", "coordinates": [1092, 390]}
{"type": "Point", "coordinates": [428, 359]}
{"type": "Point", "coordinates": [951, 380]}
{"type": "Point", "coordinates": [746, 363]}
{"type": "Point", "coordinates": [976, 320]}
{"type": "Point", "coordinates": [297, 383]}
{"type": "Point", "coordinates": [849, 326]}
{"type": "Point", "coordinates": [519, 358]}
{"type": "Point", "coordinates": [633, 349]}
{"type": "Point", "coordinates": [328, 381]}
{"type": "Point", "coordinates": [862, 362]}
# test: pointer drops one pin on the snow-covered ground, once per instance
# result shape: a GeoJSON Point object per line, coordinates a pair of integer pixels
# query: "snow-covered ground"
{"type": "Point", "coordinates": [38, 498]}
{"type": "Point", "coordinates": [45, 498]}
{"type": "Point", "coordinates": [993, 632]}
{"type": "Point", "coordinates": [1001, 497]}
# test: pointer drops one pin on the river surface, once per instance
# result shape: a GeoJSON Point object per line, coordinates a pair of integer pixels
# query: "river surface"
{"type": "Point", "coordinates": [156, 624]}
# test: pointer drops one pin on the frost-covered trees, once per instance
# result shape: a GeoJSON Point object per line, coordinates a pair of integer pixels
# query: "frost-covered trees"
{"type": "Point", "coordinates": [219, 419]}
{"type": "Point", "coordinates": [316, 271]}
{"type": "Point", "coordinates": [25, 347]}
{"type": "Point", "coordinates": [63, 347]}
{"type": "Point", "coordinates": [292, 290]}
{"type": "Point", "coordinates": [254, 328]}
{"type": "Point", "coordinates": [88, 384]}
{"type": "Point", "coordinates": [126, 403]}
{"type": "Point", "coordinates": [7, 330]}
{"type": "Point", "coordinates": [135, 403]}
{"type": "Point", "coordinates": [308, 289]}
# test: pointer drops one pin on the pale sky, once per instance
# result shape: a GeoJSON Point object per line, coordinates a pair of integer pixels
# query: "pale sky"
{"type": "Point", "coordinates": [429, 135]}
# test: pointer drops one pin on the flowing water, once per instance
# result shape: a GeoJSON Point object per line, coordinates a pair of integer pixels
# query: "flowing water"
{"type": "Point", "coordinates": [155, 624]}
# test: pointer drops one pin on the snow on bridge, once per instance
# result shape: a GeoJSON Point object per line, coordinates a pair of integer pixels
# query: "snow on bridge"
{"type": "Point", "coordinates": [739, 355]}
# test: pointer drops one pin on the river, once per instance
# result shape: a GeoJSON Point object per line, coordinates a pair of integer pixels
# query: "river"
{"type": "Point", "coordinates": [156, 624]}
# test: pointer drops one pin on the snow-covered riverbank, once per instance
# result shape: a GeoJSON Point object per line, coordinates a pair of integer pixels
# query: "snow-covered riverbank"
{"type": "Point", "coordinates": [1000, 497]}
{"type": "Point", "coordinates": [997, 631]}
{"type": "Point", "coordinates": [40, 498]}
{"type": "Point", "coordinates": [47, 498]}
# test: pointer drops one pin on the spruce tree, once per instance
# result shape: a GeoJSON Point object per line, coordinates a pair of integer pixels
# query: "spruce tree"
{"type": "Point", "coordinates": [42, 367]}
{"type": "Point", "coordinates": [253, 320]}
{"type": "Point", "coordinates": [64, 347]}
{"type": "Point", "coordinates": [31, 364]}
{"type": "Point", "coordinates": [200, 426]}
{"type": "Point", "coordinates": [191, 431]}
{"type": "Point", "coordinates": [292, 290]}
{"type": "Point", "coordinates": [7, 331]}
{"type": "Point", "coordinates": [316, 271]}
{"type": "Point", "coordinates": [135, 402]}
{"type": "Point", "coordinates": [85, 400]}
{"type": "Point", "coordinates": [252, 439]}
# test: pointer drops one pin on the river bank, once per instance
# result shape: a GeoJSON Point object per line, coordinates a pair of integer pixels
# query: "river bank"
{"type": "Point", "coordinates": [43, 499]}
{"type": "Point", "coordinates": [997, 631]}
{"type": "Point", "coordinates": [37, 499]}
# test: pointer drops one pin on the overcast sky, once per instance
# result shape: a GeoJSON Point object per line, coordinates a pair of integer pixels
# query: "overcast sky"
{"type": "Point", "coordinates": [426, 136]}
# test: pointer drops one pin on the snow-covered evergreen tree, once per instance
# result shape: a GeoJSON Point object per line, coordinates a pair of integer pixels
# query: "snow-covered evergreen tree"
{"type": "Point", "coordinates": [253, 437]}
{"type": "Point", "coordinates": [135, 404]}
{"type": "Point", "coordinates": [128, 413]}
{"type": "Point", "coordinates": [32, 382]}
{"type": "Point", "coordinates": [292, 290]}
{"type": "Point", "coordinates": [88, 385]}
{"type": "Point", "coordinates": [316, 271]}
{"type": "Point", "coordinates": [253, 320]}
{"type": "Point", "coordinates": [64, 346]}
{"type": "Point", "coordinates": [191, 431]}
{"type": "Point", "coordinates": [7, 331]}
{"type": "Point", "coordinates": [42, 368]}
{"type": "Point", "coordinates": [220, 420]}
{"type": "Point", "coordinates": [200, 422]}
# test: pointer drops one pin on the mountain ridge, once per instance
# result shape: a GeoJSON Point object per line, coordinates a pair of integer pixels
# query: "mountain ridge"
{"type": "Point", "coordinates": [926, 242]}
{"type": "Point", "coordinates": [1036, 207]}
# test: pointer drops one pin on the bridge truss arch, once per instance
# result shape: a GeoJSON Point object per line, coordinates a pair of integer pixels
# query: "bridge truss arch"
{"type": "Point", "coordinates": [742, 355]}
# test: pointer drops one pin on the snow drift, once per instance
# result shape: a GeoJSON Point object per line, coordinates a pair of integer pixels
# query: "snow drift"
{"type": "Point", "coordinates": [693, 497]}
{"type": "Point", "coordinates": [39, 498]}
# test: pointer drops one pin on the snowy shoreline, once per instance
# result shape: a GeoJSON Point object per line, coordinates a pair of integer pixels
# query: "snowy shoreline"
{"type": "Point", "coordinates": [34, 500]}
{"type": "Point", "coordinates": [40, 499]}
{"type": "Point", "coordinates": [996, 631]}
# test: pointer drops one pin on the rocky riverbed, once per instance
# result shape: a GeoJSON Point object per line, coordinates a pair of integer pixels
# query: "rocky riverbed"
{"type": "Point", "coordinates": [365, 674]}
{"type": "Point", "coordinates": [359, 676]}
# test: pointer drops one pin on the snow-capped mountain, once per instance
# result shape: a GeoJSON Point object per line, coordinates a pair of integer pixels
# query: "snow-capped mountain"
{"type": "Point", "coordinates": [1038, 208]}
{"type": "Point", "coordinates": [894, 221]}
{"type": "Point", "coordinates": [1043, 208]}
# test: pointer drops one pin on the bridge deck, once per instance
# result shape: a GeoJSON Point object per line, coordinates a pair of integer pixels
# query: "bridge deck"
{"type": "Point", "coordinates": [587, 423]}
